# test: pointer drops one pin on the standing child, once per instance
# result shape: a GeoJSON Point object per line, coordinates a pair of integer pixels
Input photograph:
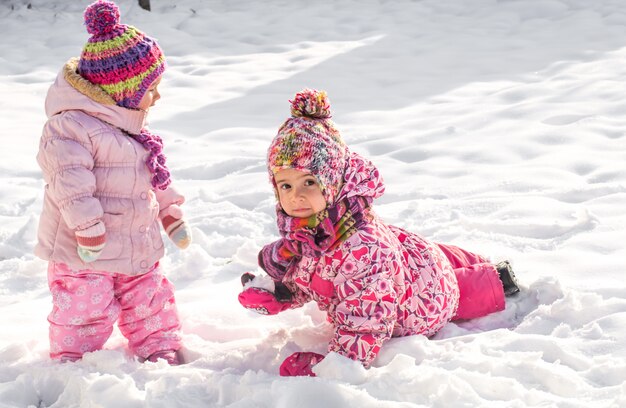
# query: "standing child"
{"type": "Point", "coordinates": [107, 189]}
{"type": "Point", "coordinates": [374, 280]}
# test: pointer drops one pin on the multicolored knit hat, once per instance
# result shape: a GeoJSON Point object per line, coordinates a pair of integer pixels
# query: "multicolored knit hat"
{"type": "Point", "coordinates": [309, 141]}
{"type": "Point", "coordinates": [122, 60]}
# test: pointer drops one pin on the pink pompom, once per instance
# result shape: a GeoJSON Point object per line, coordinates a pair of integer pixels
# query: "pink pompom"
{"type": "Point", "coordinates": [101, 17]}
{"type": "Point", "coordinates": [311, 103]}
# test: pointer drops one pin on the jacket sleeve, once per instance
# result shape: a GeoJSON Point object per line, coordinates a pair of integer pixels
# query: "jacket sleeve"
{"type": "Point", "coordinates": [66, 160]}
{"type": "Point", "coordinates": [366, 312]}
{"type": "Point", "coordinates": [170, 201]}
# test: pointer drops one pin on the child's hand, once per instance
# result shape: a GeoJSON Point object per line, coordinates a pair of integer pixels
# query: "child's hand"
{"type": "Point", "coordinates": [262, 300]}
{"type": "Point", "coordinates": [180, 233]}
{"type": "Point", "coordinates": [90, 242]}
{"type": "Point", "coordinates": [300, 364]}
{"type": "Point", "coordinates": [177, 229]}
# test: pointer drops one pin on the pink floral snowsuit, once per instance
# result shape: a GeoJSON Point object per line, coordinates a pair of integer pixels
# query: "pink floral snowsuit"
{"type": "Point", "coordinates": [386, 282]}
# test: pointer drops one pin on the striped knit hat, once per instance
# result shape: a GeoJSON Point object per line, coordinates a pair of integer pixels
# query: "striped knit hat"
{"type": "Point", "coordinates": [309, 141]}
{"type": "Point", "coordinates": [122, 60]}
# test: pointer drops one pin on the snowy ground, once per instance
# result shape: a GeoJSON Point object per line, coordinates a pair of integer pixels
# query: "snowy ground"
{"type": "Point", "coordinates": [497, 125]}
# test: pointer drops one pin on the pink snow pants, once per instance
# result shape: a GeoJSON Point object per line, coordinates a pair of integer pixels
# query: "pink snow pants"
{"type": "Point", "coordinates": [480, 288]}
{"type": "Point", "coordinates": [87, 303]}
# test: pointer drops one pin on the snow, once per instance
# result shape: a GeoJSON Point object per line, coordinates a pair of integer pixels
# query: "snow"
{"type": "Point", "coordinates": [498, 125]}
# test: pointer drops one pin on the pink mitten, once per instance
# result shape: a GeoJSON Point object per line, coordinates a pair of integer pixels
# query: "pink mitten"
{"type": "Point", "coordinates": [300, 364]}
{"type": "Point", "coordinates": [262, 301]}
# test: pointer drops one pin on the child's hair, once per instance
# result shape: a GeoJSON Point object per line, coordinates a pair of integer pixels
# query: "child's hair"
{"type": "Point", "coordinates": [308, 141]}
{"type": "Point", "coordinates": [122, 60]}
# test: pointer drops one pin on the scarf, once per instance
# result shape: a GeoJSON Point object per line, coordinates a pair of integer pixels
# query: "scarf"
{"type": "Point", "coordinates": [312, 236]}
{"type": "Point", "coordinates": [156, 159]}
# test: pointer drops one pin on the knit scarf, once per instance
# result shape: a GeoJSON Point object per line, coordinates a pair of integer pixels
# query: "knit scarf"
{"type": "Point", "coordinates": [156, 159]}
{"type": "Point", "coordinates": [312, 236]}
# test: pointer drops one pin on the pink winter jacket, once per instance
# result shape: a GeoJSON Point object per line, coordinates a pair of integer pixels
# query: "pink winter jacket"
{"type": "Point", "coordinates": [381, 282]}
{"type": "Point", "coordinates": [95, 172]}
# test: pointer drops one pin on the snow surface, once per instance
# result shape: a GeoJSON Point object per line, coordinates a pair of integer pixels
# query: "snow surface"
{"type": "Point", "coordinates": [499, 125]}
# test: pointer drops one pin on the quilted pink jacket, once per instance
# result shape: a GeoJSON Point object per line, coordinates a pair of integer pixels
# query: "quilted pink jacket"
{"type": "Point", "coordinates": [381, 282]}
{"type": "Point", "coordinates": [95, 172]}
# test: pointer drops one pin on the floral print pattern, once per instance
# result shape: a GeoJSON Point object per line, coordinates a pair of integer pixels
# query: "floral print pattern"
{"type": "Point", "coordinates": [86, 304]}
{"type": "Point", "coordinates": [381, 282]}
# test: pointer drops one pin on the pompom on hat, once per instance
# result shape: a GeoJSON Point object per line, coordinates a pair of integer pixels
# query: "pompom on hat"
{"type": "Point", "coordinates": [308, 141]}
{"type": "Point", "coordinates": [120, 59]}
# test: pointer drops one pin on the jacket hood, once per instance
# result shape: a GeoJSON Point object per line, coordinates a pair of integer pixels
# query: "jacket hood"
{"type": "Point", "coordinates": [70, 91]}
{"type": "Point", "coordinates": [361, 178]}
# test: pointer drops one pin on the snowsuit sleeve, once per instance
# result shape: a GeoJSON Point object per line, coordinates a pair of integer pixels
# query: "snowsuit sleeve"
{"type": "Point", "coordinates": [366, 313]}
{"type": "Point", "coordinates": [298, 297]}
{"type": "Point", "coordinates": [278, 266]}
{"type": "Point", "coordinates": [66, 160]}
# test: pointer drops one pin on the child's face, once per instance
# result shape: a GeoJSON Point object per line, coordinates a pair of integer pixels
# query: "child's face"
{"type": "Point", "coordinates": [151, 96]}
{"type": "Point", "coordinates": [299, 194]}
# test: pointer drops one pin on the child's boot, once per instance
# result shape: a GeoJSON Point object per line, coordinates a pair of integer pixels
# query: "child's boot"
{"type": "Point", "coordinates": [507, 277]}
{"type": "Point", "coordinates": [170, 356]}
